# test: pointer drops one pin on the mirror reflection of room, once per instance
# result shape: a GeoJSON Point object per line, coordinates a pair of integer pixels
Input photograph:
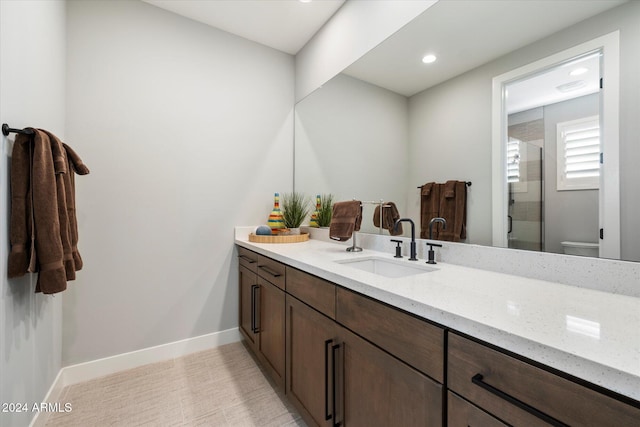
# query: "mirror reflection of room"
{"type": "Point", "coordinates": [398, 123]}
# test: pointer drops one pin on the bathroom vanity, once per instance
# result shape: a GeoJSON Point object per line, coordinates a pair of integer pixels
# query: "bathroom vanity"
{"type": "Point", "coordinates": [448, 346]}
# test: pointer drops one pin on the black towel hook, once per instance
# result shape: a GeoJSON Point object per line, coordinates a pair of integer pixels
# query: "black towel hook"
{"type": "Point", "coordinates": [6, 130]}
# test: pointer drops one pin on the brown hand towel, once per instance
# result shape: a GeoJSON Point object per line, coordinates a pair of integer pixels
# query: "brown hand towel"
{"type": "Point", "coordinates": [429, 208]}
{"type": "Point", "coordinates": [21, 213]}
{"type": "Point", "coordinates": [70, 162]}
{"type": "Point", "coordinates": [346, 218]}
{"type": "Point", "coordinates": [75, 165]}
{"type": "Point", "coordinates": [390, 215]}
{"type": "Point", "coordinates": [48, 241]}
{"type": "Point", "coordinates": [450, 189]}
{"type": "Point", "coordinates": [453, 208]}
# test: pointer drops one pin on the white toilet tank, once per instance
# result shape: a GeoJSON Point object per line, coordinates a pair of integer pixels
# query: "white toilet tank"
{"type": "Point", "coordinates": [581, 248]}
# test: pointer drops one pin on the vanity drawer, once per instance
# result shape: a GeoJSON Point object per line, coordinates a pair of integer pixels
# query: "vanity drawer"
{"type": "Point", "coordinates": [271, 270]}
{"type": "Point", "coordinates": [313, 291]}
{"type": "Point", "coordinates": [491, 379]}
{"type": "Point", "coordinates": [248, 259]}
{"type": "Point", "coordinates": [414, 341]}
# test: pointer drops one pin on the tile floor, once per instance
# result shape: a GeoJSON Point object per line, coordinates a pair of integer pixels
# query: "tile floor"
{"type": "Point", "coordinates": [219, 387]}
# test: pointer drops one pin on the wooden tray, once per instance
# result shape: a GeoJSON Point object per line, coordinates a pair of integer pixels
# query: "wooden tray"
{"type": "Point", "coordinates": [296, 238]}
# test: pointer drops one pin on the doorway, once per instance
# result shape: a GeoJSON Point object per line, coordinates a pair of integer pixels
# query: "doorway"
{"type": "Point", "coordinates": [553, 150]}
{"type": "Point", "coordinates": [533, 207]}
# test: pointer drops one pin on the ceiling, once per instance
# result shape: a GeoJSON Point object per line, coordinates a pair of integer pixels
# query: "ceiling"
{"type": "Point", "coordinates": [555, 85]}
{"type": "Point", "coordinates": [465, 34]}
{"type": "Point", "coordinates": [285, 25]}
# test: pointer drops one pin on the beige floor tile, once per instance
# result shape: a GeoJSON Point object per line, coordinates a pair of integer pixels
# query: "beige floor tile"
{"type": "Point", "coordinates": [215, 419]}
{"type": "Point", "coordinates": [267, 410]}
{"type": "Point", "coordinates": [218, 387]}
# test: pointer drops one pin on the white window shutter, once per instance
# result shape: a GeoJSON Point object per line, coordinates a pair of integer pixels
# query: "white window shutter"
{"type": "Point", "coordinates": [578, 154]}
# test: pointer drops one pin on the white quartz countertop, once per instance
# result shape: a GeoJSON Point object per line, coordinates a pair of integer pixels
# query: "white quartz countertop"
{"type": "Point", "coordinates": [590, 334]}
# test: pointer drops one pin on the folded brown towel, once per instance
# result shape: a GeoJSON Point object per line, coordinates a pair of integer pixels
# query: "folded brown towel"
{"type": "Point", "coordinates": [429, 208]}
{"type": "Point", "coordinates": [453, 208]}
{"type": "Point", "coordinates": [390, 215]}
{"type": "Point", "coordinates": [346, 218]}
{"type": "Point", "coordinates": [450, 189]}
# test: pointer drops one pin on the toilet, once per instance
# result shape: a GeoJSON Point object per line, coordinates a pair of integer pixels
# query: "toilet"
{"type": "Point", "coordinates": [581, 248]}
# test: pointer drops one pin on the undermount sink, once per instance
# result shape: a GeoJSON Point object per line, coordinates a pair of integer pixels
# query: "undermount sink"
{"type": "Point", "coordinates": [387, 267]}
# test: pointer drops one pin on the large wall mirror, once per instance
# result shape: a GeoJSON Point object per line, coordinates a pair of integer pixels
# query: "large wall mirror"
{"type": "Point", "coordinates": [390, 123]}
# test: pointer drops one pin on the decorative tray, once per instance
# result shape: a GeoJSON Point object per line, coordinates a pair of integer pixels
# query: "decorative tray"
{"type": "Point", "coordinates": [290, 238]}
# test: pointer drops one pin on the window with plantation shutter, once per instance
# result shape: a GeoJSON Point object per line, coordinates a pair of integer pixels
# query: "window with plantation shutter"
{"type": "Point", "coordinates": [516, 165]}
{"type": "Point", "coordinates": [579, 154]}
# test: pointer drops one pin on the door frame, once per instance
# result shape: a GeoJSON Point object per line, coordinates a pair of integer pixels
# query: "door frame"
{"type": "Point", "coordinates": [609, 194]}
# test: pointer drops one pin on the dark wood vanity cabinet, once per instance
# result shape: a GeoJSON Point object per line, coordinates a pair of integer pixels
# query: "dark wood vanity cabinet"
{"type": "Point", "coordinates": [335, 376]}
{"type": "Point", "coordinates": [262, 310]}
{"type": "Point", "coordinates": [346, 359]}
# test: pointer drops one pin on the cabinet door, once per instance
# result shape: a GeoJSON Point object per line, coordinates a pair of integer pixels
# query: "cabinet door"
{"type": "Point", "coordinates": [248, 282]}
{"type": "Point", "coordinates": [309, 337]}
{"type": "Point", "coordinates": [271, 328]}
{"type": "Point", "coordinates": [463, 414]}
{"type": "Point", "coordinates": [376, 389]}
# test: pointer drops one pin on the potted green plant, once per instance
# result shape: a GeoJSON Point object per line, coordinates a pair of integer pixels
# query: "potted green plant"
{"type": "Point", "coordinates": [295, 208]}
{"type": "Point", "coordinates": [324, 212]}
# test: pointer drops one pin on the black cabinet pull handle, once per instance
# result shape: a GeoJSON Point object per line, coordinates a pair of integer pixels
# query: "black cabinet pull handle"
{"type": "Point", "coordinates": [246, 258]}
{"type": "Point", "coordinates": [270, 271]}
{"type": "Point", "coordinates": [327, 415]}
{"type": "Point", "coordinates": [477, 379]}
{"type": "Point", "coordinates": [333, 371]}
{"type": "Point", "coordinates": [254, 326]}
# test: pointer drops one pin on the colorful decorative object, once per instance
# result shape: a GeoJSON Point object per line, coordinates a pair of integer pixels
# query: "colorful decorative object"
{"type": "Point", "coordinates": [276, 222]}
{"type": "Point", "coordinates": [313, 222]}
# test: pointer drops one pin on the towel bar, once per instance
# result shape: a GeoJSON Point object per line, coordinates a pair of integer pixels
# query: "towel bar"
{"type": "Point", "coordinates": [6, 130]}
{"type": "Point", "coordinates": [466, 182]}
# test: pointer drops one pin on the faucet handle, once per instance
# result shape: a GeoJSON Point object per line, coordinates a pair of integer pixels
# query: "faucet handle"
{"type": "Point", "coordinates": [398, 248]}
{"type": "Point", "coordinates": [431, 254]}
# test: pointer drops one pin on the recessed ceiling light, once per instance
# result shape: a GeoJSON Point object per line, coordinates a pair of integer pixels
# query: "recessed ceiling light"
{"type": "Point", "coordinates": [578, 71]}
{"type": "Point", "coordinates": [568, 87]}
{"type": "Point", "coordinates": [428, 59]}
{"type": "Point", "coordinates": [304, 1]}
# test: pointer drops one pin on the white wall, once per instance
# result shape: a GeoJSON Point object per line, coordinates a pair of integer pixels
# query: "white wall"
{"type": "Point", "coordinates": [356, 28]}
{"type": "Point", "coordinates": [451, 124]}
{"type": "Point", "coordinates": [32, 81]}
{"type": "Point", "coordinates": [443, 146]}
{"type": "Point", "coordinates": [361, 128]}
{"type": "Point", "coordinates": [187, 131]}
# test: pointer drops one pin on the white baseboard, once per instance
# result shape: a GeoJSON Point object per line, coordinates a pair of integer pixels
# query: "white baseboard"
{"type": "Point", "coordinates": [74, 374]}
{"type": "Point", "coordinates": [40, 418]}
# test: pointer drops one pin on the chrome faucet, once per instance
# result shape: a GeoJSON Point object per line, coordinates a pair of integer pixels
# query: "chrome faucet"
{"type": "Point", "coordinates": [432, 254]}
{"type": "Point", "coordinates": [414, 252]}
